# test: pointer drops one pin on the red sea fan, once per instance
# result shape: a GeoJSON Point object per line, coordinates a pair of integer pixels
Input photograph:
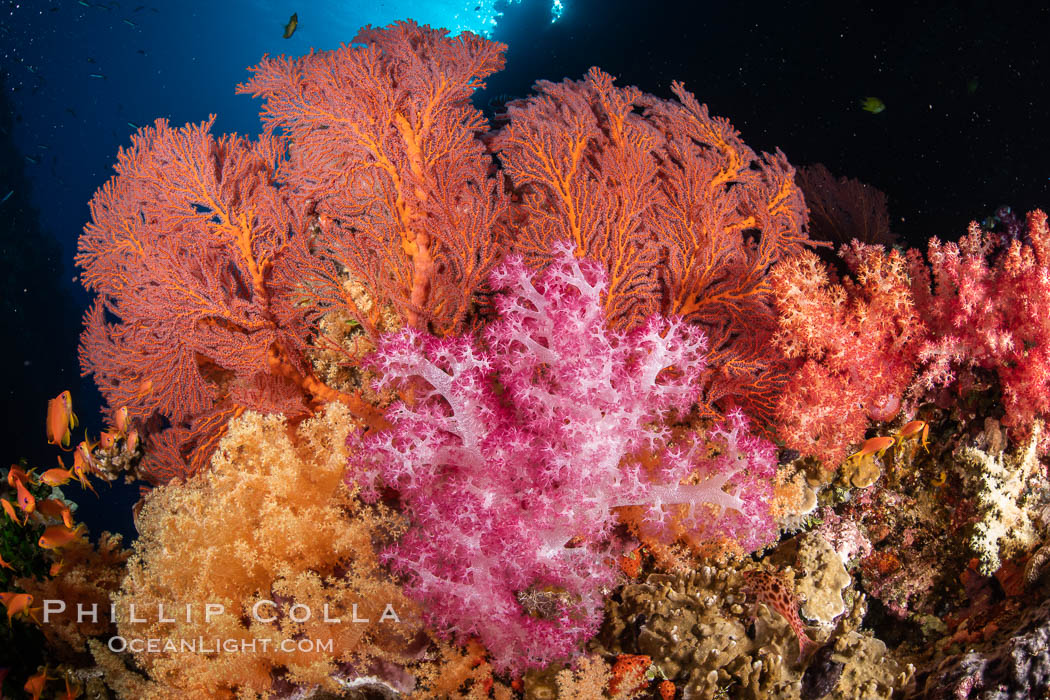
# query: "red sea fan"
{"type": "Point", "coordinates": [179, 250]}
{"type": "Point", "coordinates": [386, 153]}
{"type": "Point", "coordinates": [685, 218]}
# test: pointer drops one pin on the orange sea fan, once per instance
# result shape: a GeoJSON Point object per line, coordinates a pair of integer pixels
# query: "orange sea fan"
{"type": "Point", "coordinates": [684, 216]}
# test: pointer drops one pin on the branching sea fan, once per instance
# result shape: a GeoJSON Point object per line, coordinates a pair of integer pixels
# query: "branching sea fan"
{"type": "Point", "coordinates": [509, 459]}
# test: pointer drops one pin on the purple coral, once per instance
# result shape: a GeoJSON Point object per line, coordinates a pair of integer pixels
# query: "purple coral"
{"type": "Point", "coordinates": [511, 459]}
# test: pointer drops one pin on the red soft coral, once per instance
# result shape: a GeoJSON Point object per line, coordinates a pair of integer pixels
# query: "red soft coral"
{"type": "Point", "coordinates": [856, 345]}
{"type": "Point", "coordinates": [988, 305]}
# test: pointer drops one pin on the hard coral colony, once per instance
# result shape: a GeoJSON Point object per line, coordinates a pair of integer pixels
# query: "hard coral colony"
{"type": "Point", "coordinates": [509, 359]}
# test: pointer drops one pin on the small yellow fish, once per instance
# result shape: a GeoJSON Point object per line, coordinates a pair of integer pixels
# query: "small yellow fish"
{"type": "Point", "coordinates": [293, 23]}
{"type": "Point", "coordinates": [60, 419]}
{"type": "Point", "coordinates": [872, 104]}
{"type": "Point", "coordinates": [59, 536]}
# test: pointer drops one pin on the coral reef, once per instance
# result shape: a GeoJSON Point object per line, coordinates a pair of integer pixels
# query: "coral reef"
{"type": "Point", "coordinates": [472, 408]}
{"type": "Point", "coordinates": [697, 631]}
{"type": "Point", "coordinates": [685, 218]}
{"type": "Point", "coordinates": [854, 345]}
{"type": "Point", "coordinates": [969, 298]}
{"type": "Point", "coordinates": [1016, 667]}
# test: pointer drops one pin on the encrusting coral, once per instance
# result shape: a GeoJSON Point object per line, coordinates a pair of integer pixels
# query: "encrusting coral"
{"type": "Point", "coordinates": [271, 520]}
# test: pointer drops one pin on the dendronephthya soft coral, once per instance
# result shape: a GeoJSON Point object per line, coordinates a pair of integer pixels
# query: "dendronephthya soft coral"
{"type": "Point", "coordinates": [510, 459]}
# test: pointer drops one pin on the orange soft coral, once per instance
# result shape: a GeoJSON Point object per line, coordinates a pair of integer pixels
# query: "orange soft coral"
{"type": "Point", "coordinates": [271, 520]}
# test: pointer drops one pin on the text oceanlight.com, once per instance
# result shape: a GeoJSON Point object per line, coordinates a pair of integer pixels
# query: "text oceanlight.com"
{"type": "Point", "coordinates": [202, 645]}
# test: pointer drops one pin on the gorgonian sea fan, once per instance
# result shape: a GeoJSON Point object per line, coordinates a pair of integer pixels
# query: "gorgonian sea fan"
{"type": "Point", "coordinates": [511, 459]}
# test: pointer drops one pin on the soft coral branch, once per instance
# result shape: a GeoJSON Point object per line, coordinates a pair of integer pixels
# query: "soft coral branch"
{"type": "Point", "coordinates": [856, 345]}
{"type": "Point", "coordinates": [987, 303]}
{"type": "Point", "coordinates": [518, 449]}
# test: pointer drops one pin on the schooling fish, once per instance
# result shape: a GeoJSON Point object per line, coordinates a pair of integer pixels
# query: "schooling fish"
{"type": "Point", "coordinates": [57, 477]}
{"type": "Point", "coordinates": [15, 603]}
{"type": "Point", "coordinates": [57, 509]}
{"type": "Point", "coordinates": [59, 536]}
{"type": "Point", "coordinates": [770, 590]}
{"type": "Point", "coordinates": [26, 500]}
{"type": "Point", "coordinates": [60, 419]}
{"type": "Point", "coordinates": [16, 474]}
{"type": "Point", "coordinates": [10, 510]}
{"type": "Point", "coordinates": [84, 464]}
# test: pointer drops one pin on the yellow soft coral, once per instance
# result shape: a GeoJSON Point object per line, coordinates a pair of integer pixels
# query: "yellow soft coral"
{"type": "Point", "coordinates": [271, 520]}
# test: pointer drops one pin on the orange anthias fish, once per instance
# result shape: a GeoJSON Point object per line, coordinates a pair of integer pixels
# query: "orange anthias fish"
{"type": "Point", "coordinates": [26, 501]}
{"type": "Point", "coordinates": [60, 419]}
{"type": "Point", "coordinates": [4, 564]}
{"type": "Point", "coordinates": [59, 536]}
{"type": "Point", "coordinates": [107, 440]}
{"type": "Point", "coordinates": [132, 443]}
{"type": "Point", "coordinates": [57, 477]}
{"type": "Point", "coordinates": [15, 603]}
{"type": "Point", "coordinates": [121, 421]}
{"type": "Point", "coordinates": [84, 464]}
{"type": "Point", "coordinates": [16, 474]}
{"type": "Point", "coordinates": [10, 510]}
{"type": "Point", "coordinates": [35, 685]}
{"type": "Point", "coordinates": [770, 590]}
{"type": "Point", "coordinates": [54, 508]}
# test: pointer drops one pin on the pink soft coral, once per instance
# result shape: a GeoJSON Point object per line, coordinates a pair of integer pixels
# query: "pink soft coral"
{"type": "Point", "coordinates": [511, 459]}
